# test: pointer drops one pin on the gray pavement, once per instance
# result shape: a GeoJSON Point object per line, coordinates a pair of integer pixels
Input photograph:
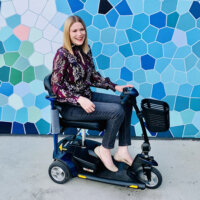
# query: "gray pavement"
{"type": "Point", "coordinates": [24, 162]}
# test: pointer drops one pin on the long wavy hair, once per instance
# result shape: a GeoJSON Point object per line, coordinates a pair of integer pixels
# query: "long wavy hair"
{"type": "Point", "coordinates": [66, 38]}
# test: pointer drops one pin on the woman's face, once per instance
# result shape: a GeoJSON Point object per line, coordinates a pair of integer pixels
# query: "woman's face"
{"type": "Point", "coordinates": [77, 33]}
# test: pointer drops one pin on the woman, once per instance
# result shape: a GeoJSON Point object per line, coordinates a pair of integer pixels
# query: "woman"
{"type": "Point", "coordinates": [73, 74]}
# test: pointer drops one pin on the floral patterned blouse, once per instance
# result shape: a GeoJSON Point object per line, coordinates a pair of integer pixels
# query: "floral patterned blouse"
{"type": "Point", "coordinates": [71, 77]}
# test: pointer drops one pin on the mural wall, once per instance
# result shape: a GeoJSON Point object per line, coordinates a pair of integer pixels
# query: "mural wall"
{"type": "Point", "coordinates": [152, 44]}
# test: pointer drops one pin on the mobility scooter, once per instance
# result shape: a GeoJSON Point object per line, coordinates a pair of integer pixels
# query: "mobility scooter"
{"type": "Point", "coordinates": [74, 155]}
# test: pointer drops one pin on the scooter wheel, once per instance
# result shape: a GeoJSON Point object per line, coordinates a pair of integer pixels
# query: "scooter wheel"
{"type": "Point", "coordinates": [59, 172]}
{"type": "Point", "coordinates": [156, 178]}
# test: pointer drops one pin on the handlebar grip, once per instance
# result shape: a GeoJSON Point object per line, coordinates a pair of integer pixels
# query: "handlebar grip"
{"type": "Point", "coordinates": [124, 99]}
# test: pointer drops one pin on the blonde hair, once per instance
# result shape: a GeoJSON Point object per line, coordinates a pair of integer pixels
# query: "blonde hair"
{"type": "Point", "coordinates": [66, 38]}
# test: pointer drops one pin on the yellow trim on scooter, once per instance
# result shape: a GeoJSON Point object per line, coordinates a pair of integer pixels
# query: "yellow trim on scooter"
{"type": "Point", "coordinates": [133, 186]}
{"type": "Point", "coordinates": [81, 176]}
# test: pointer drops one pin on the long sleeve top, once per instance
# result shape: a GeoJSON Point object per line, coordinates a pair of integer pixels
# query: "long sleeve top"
{"type": "Point", "coordinates": [71, 77]}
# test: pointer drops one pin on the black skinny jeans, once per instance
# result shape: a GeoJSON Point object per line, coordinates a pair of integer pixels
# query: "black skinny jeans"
{"type": "Point", "coordinates": [108, 108]}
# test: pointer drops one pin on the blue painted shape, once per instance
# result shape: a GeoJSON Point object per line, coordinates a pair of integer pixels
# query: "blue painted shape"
{"type": "Point", "coordinates": [22, 115]}
{"type": "Point", "coordinates": [190, 61]}
{"type": "Point", "coordinates": [195, 9]}
{"type": "Point", "coordinates": [100, 21]}
{"type": "Point", "coordinates": [152, 76]}
{"type": "Point", "coordinates": [108, 35]}
{"type": "Point", "coordinates": [190, 130]}
{"type": "Point", "coordinates": [185, 90]}
{"type": "Point", "coordinates": [112, 17]}
{"type": "Point", "coordinates": [86, 17]}
{"type": "Point", "coordinates": [63, 6]}
{"type": "Point", "coordinates": [133, 133]}
{"type": "Point", "coordinates": [158, 91]}
{"type": "Point", "coordinates": [161, 64]}
{"type": "Point", "coordinates": [147, 62]}
{"type": "Point", "coordinates": [140, 22]}
{"type": "Point", "coordinates": [132, 35]}
{"type": "Point", "coordinates": [43, 126]}
{"type": "Point", "coordinates": [166, 134]}
{"type": "Point", "coordinates": [12, 43]}
{"type": "Point", "coordinates": [29, 100]}
{"type": "Point", "coordinates": [168, 74]}
{"type": "Point", "coordinates": [124, 22]}
{"type": "Point", "coordinates": [182, 103]}
{"type": "Point", "coordinates": [103, 62]}
{"type": "Point", "coordinates": [13, 21]}
{"type": "Point", "coordinates": [125, 50]}
{"type": "Point", "coordinates": [93, 33]}
{"type": "Point", "coordinates": [5, 33]}
{"type": "Point", "coordinates": [149, 35]}
{"type": "Point", "coordinates": [5, 127]}
{"type": "Point", "coordinates": [96, 48]}
{"type": "Point", "coordinates": [193, 36]}
{"type": "Point", "coordinates": [75, 5]}
{"type": "Point", "coordinates": [139, 47]}
{"type": "Point", "coordinates": [114, 2]}
{"type": "Point", "coordinates": [92, 6]}
{"type": "Point", "coordinates": [133, 63]}
{"type": "Point", "coordinates": [169, 49]}
{"type": "Point", "coordinates": [182, 52]}
{"type": "Point", "coordinates": [30, 128]}
{"type": "Point", "coordinates": [196, 91]}
{"type": "Point", "coordinates": [117, 60]}
{"type": "Point", "coordinates": [18, 128]}
{"type": "Point", "coordinates": [155, 50]}
{"type": "Point", "coordinates": [195, 104]}
{"type": "Point", "coordinates": [169, 6]}
{"type": "Point", "coordinates": [158, 20]}
{"type": "Point", "coordinates": [172, 19]}
{"type": "Point", "coordinates": [126, 74]}
{"type": "Point", "coordinates": [58, 20]}
{"type": "Point", "coordinates": [121, 37]}
{"type": "Point", "coordinates": [170, 100]}
{"type": "Point", "coordinates": [134, 118]}
{"type": "Point", "coordinates": [165, 35]}
{"type": "Point", "coordinates": [6, 89]}
{"type": "Point", "coordinates": [123, 8]}
{"type": "Point", "coordinates": [139, 76]}
{"type": "Point", "coordinates": [186, 22]}
{"type": "Point", "coordinates": [41, 102]}
{"type": "Point", "coordinates": [109, 49]}
{"type": "Point", "coordinates": [177, 131]}
{"type": "Point", "coordinates": [152, 6]}
{"type": "Point", "coordinates": [171, 88]}
{"type": "Point", "coordinates": [145, 90]}
{"type": "Point", "coordinates": [196, 49]}
{"type": "Point", "coordinates": [2, 50]}
{"type": "Point", "coordinates": [8, 113]}
{"type": "Point", "coordinates": [178, 64]}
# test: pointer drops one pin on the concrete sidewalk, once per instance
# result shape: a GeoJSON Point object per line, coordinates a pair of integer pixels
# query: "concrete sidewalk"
{"type": "Point", "coordinates": [24, 162]}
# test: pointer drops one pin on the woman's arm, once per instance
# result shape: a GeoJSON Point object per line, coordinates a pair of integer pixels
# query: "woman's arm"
{"type": "Point", "coordinates": [64, 94]}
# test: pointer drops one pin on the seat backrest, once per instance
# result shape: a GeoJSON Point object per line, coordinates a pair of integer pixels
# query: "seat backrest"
{"type": "Point", "coordinates": [47, 84]}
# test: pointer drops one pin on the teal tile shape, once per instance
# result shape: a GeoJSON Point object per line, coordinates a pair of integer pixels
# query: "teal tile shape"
{"type": "Point", "coordinates": [186, 22]}
{"type": "Point", "coordinates": [43, 126]}
{"type": "Point", "coordinates": [114, 2]}
{"type": "Point", "coordinates": [196, 49]}
{"type": "Point", "coordinates": [152, 6]}
{"type": "Point", "coordinates": [140, 22]}
{"type": "Point", "coordinates": [4, 73]}
{"type": "Point", "coordinates": [172, 19]}
{"type": "Point", "coordinates": [92, 6]}
{"type": "Point", "coordinates": [193, 36]}
{"type": "Point", "coordinates": [145, 90]}
{"type": "Point", "coordinates": [180, 77]}
{"type": "Point", "coordinates": [40, 72]}
{"type": "Point", "coordinates": [41, 102]}
{"type": "Point", "coordinates": [113, 74]}
{"type": "Point", "coordinates": [103, 62]}
{"type": "Point", "coordinates": [150, 34]}
{"type": "Point", "coordinates": [8, 113]}
{"type": "Point", "coordinates": [161, 64]}
{"type": "Point", "coordinates": [87, 17]}
{"type": "Point", "coordinates": [6, 89]}
{"type": "Point", "coordinates": [193, 76]}
{"type": "Point", "coordinates": [169, 6]}
{"type": "Point", "coordinates": [108, 35]}
{"type": "Point", "coordinates": [133, 63]}
{"type": "Point", "coordinates": [168, 74]}
{"type": "Point", "coordinates": [190, 130]}
{"type": "Point", "coordinates": [152, 76]}
{"type": "Point", "coordinates": [96, 48]}
{"type": "Point", "coordinates": [196, 91]}
{"type": "Point", "coordinates": [5, 33]}
{"type": "Point", "coordinates": [109, 49]}
{"type": "Point", "coordinates": [22, 115]}
{"type": "Point", "coordinates": [170, 99]}
{"type": "Point", "coordinates": [3, 100]}
{"type": "Point", "coordinates": [187, 116]}
{"type": "Point", "coordinates": [190, 61]}
{"type": "Point", "coordinates": [121, 37]}
{"type": "Point", "coordinates": [22, 63]}
{"type": "Point", "coordinates": [195, 104]}
{"type": "Point", "coordinates": [171, 88]}
{"type": "Point", "coordinates": [13, 21]}
{"type": "Point", "coordinates": [63, 6]}
{"type": "Point", "coordinates": [178, 64]}
{"type": "Point", "coordinates": [124, 22]}
{"type": "Point", "coordinates": [2, 50]}
{"type": "Point", "coordinates": [100, 21]}
{"type": "Point", "coordinates": [125, 50]}
{"type": "Point", "coordinates": [139, 47]}
{"type": "Point", "coordinates": [139, 76]}
{"type": "Point", "coordinates": [12, 43]}
{"type": "Point", "coordinates": [93, 33]}
{"type": "Point", "coordinates": [182, 103]}
{"type": "Point", "coordinates": [169, 49]}
{"type": "Point", "coordinates": [177, 131]}
{"type": "Point", "coordinates": [182, 52]}
{"type": "Point", "coordinates": [155, 49]}
{"type": "Point", "coordinates": [185, 90]}
{"type": "Point", "coordinates": [117, 60]}
{"type": "Point", "coordinates": [132, 35]}
{"type": "Point", "coordinates": [29, 100]}
{"type": "Point", "coordinates": [136, 6]}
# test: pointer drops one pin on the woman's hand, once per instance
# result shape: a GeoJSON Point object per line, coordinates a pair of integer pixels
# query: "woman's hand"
{"type": "Point", "coordinates": [120, 88]}
{"type": "Point", "coordinates": [86, 104]}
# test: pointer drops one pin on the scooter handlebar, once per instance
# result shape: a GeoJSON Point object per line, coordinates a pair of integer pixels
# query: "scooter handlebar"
{"type": "Point", "coordinates": [127, 93]}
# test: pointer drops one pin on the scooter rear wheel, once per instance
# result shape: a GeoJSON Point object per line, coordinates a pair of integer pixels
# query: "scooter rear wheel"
{"type": "Point", "coordinates": [59, 172]}
{"type": "Point", "coordinates": [156, 178]}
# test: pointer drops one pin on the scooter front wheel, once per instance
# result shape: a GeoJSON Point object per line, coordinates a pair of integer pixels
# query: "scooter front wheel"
{"type": "Point", "coordinates": [59, 172]}
{"type": "Point", "coordinates": [156, 178]}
